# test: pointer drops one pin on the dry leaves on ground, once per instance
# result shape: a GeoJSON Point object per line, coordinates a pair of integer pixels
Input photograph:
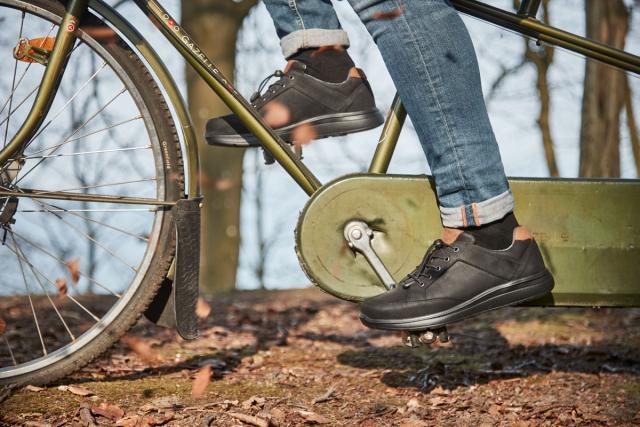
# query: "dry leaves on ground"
{"type": "Point", "coordinates": [249, 419]}
{"type": "Point", "coordinates": [313, 418]}
{"type": "Point", "coordinates": [108, 410]}
{"type": "Point", "coordinates": [77, 390]}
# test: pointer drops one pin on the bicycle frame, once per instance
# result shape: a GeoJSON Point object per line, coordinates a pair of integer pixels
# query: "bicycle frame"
{"type": "Point", "coordinates": [523, 22]}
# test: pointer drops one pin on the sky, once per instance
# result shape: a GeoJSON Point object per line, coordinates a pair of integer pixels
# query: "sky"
{"type": "Point", "coordinates": [512, 112]}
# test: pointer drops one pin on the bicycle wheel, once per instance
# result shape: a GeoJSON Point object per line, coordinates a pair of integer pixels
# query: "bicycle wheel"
{"type": "Point", "coordinates": [78, 271]}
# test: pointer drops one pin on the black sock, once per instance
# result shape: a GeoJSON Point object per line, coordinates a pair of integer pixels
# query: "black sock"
{"type": "Point", "coordinates": [331, 65]}
{"type": "Point", "coordinates": [495, 235]}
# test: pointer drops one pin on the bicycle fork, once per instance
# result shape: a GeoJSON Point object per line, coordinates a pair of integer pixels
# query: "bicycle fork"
{"type": "Point", "coordinates": [56, 64]}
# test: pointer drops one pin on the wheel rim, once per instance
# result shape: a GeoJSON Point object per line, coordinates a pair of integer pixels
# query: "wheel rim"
{"type": "Point", "coordinates": [99, 252]}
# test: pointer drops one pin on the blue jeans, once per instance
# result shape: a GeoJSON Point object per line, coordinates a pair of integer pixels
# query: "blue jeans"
{"type": "Point", "coordinates": [429, 54]}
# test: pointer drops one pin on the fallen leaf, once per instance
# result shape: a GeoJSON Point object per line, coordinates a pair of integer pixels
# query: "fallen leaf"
{"type": "Point", "coordinates": [80, 391]}
{"type": "Point", "coordinates": [328, 395]}
{"type": "Point", "coordinates": [413, 423]}
{"type": "Point", "coordinates": [157, 420]}
{"type": "Point", "coordinates": [254, 400]}
{"type": "Point", "coordinates": [313, 418]}
{"type": "Point", "coordinates": [259, 422]}
{"type": "Point", "coordinates": [87, 417]}
{"type": "Point", "coordinates": [61, 284]}
{"type": "Point", "coordinates": [278, 416]}
{"type": "Point", "coordinates": [200, 383]}
{"type": "Point", "coordinates": [73, 265]}
{"type": "Point", "coordinates": [203, 309]}
{"type": "Point", "coordinates": [494, 410]}
{"type": "Point", "coordinates": [33, 388]}
{"type": "Point", "coordinates": [141, 348]}
{"type": "Point", "coordinates": [3, 325]}
{"type": "Point", "coordinates": [388, 15]}
{"type": "Point", "coordinates": [108, 410]}
{"type": "Point", "coordinates": [304, 134]}
{"type": "Point", "coordinates": [131, 421]}
{"type": "Point", "coordinates": [413, 404]}
{"type": "Point", "coordinates": [276, 114]}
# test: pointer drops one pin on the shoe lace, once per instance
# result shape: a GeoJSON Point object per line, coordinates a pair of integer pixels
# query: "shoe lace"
{"type": "Point", "coordinates": [280, 83]}
{"type": "Point", "coordinates": [436, 251]}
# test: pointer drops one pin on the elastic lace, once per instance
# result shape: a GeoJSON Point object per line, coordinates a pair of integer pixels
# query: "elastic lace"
{"type": "Point", "coordinates": [423, 270]}
{"type": "Point", "coordinates": [280, 83]}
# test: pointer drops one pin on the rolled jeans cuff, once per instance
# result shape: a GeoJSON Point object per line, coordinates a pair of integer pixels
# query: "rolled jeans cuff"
{"type": "Point", "coordinates": [314, 37]}
{"type": "Point", "coordinates": [477, 214]}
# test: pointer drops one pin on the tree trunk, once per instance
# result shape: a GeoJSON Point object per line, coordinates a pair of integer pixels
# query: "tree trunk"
{"type": "Point", "coordinates": [542, 58]}
{"type": "Point", "coordinates": [604, 87]}
{"type": "Point", "coordinates": [214, 25]}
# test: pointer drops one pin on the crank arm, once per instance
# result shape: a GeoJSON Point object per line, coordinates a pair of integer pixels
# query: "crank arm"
{"type": "Point", "coordinates": [359, 235]}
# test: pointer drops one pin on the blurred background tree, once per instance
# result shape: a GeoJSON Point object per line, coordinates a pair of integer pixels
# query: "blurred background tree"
{"type": "Point", "coordinates": [215, 25]}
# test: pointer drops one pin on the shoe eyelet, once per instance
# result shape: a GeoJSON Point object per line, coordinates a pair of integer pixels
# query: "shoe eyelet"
{"type": "Point", "coordinates": [429, 277]}
{"type": "Point", "coordinates": [456, 249]}
{"type": "Point", "coordinates": [447, 259]}
{"type": "Point", "coordinates": [438, 268]}
{"type": "Point", "coordinates": [291, 77]}
{"type": "Point", "coordinates": [422, 285]}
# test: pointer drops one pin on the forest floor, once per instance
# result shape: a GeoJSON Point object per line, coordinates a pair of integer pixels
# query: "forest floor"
{"type": "Point", "coordinates": [302, 357]}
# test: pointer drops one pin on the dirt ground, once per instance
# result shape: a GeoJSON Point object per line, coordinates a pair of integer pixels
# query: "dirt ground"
{"type": "Point", "coordinates": [301, 358]}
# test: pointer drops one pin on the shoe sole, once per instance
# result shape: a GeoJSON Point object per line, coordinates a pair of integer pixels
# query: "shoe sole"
{"type": "Point", "coordinates": [511, 293]}
{"type": "Point", "coordinates": [324, 126]}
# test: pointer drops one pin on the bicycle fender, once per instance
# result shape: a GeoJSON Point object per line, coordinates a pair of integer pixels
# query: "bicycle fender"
{"type": "Point", "coordinates": [174, 305]}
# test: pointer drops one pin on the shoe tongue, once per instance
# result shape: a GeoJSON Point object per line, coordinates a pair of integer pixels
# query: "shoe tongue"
{"type": "Point", "coordinates": [294, 65]}
{"type": "Point", "coordinates": [465, 237]}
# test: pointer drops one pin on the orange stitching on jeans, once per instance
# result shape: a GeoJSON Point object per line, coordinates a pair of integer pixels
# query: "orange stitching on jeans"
{"type": "Point", "coordinates": [476, 218]}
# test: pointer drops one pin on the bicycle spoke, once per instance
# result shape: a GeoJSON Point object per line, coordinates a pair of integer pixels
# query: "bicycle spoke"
{"type": "Point", "coordinates": [78, 129]}
{"type": "Point", "coordinates": [17, 247]}
{"type": "Point", "coordinates": [13, 85]}
{"type": "Point", "coordinates": [71, 298]}
{"type": "Point", "coordinates": [69, 101]}
{"type": "Point", "coordinates": [81, 197]}
{"type": "Point", "coordinates": [91, 239]}
{"type": "Point", "coordinates": [113, 184]}
{"type": "Point", "coordinates": [95, 221]}
{"type": "Point", "coordinates": [26, 286]}
{"type": "Point", "coordinates": [31, 155]}
{"type": "Point", "coordinates": [20, 104]}
{"type": "Point", "coordinates": [87, 153]}
{"type": "Point", "coordinates": [6, 341]}
{"type": "Point", "coordinates": [64, 264]}
{"type": "Point", "coordinates": [60, 210]}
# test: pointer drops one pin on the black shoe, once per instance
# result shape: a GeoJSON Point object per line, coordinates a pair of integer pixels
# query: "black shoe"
{"type": "Point", "coordinates": [458, 281]}
{"type": "Point", "coordinates": [332, 109]}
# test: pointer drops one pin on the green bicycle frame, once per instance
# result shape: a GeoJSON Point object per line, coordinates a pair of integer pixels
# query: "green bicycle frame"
{"type": "Point", "coordinates": [523, 22]}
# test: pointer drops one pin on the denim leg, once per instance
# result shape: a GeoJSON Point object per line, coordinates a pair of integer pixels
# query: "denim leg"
{"type": "Point", "coordinates": [429, 54]}
{"type": "Point", "coordinates": [306, 23]}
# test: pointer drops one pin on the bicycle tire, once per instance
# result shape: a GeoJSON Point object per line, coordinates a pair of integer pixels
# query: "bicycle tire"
{"type": "Point", "coordinates": [163, 125]}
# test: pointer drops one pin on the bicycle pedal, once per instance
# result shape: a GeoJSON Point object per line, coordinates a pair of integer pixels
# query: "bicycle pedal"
{"type": "Point", "coordinates": [34, 50]}
{"type": "Point", "coordinates": [269, 159]}
{"type": "Point", "coordinates": [415, 339]}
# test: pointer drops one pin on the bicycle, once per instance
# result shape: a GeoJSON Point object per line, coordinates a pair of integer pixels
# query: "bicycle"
{"type": "Point", "coordinates": [59, 311]}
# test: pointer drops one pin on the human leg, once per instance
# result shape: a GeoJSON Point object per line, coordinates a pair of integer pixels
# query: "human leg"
{"type": "Point", "coordinates": [485, 260]}
{"type": "Point", "coordinates": [320, 87]}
